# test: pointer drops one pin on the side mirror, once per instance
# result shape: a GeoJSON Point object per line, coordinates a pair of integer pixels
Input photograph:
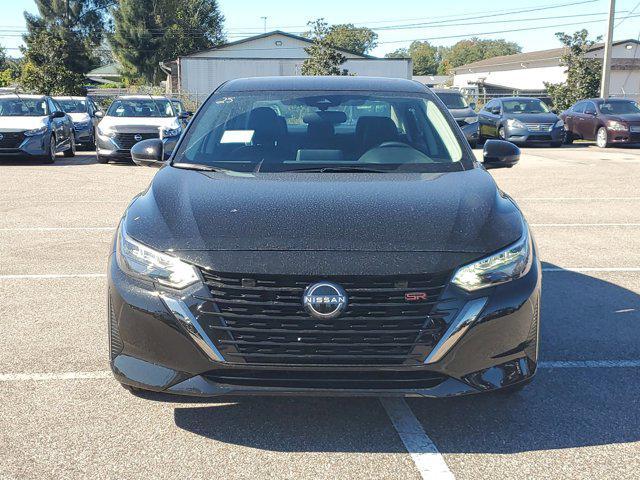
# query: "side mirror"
{"type": "Point", "coordinates": [58, 114]}
{"type": "Point", "coordinates": [591, 112]}
{"type": "Point", "coordinates": [184, 115]}
{"type": "Point", "coordinates": [495, 111]}
{"type": "Point", "coordinates": [98, 114]}
{"type": "Point", "coordinates": [148, 153]}
{"type": "Point", "coordinates": [500, 154]}
{"type": "Point", "coordinates": [472, 106]}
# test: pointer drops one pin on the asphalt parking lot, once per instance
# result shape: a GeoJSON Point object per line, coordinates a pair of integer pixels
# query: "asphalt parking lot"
{"type": "Point", "coordinates": [63, 416]}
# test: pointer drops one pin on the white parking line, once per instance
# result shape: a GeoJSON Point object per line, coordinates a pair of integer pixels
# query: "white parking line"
{"type": "Point", "coordinates": [590, 364]}
{"type": "Point", "coordinates": [591, 269]}
{"type": "Point", "coordinates": [423, 451]}
{"type": "Point", "coordinates": [39, 377]}
{"type": "Point", "coordinates": [56, 229]}
{"type": "Point", "coordinates": [585, 224]}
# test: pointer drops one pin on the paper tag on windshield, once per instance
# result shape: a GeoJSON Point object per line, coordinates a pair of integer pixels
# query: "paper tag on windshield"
{"type": "Point", "coordinates": [237, 136]}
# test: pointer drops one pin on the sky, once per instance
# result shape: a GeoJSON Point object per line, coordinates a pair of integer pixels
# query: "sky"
{"type": "Point", "coordinates": [401, 21]}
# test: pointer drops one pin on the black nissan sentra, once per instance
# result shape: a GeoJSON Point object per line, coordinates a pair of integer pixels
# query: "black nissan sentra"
{"type": "Point", "coordinates": [314, 235]}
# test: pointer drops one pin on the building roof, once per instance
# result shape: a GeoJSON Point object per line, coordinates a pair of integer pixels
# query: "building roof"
{"type": "Point", "coordinates": [108, 70]}
{"type": "Point", "coordinates": [269, 34]}
{"type": "Point", "coordinates": [528, 57]}
{"type": "Point", "coordinates": [310, 83]}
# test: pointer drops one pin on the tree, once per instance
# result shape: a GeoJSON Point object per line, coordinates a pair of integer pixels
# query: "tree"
{"type": "Point", "coordinates": [61, 44]}
{"type": "Point", "coordinates": [425, 57]}
{"type": "Point", "coordinates": [323, 59]}
{"type": "Point", "coordinates": [474, 50]}
{"type": "Point", "coordinates": [147, 32]}
{"type": "Point", "coordinates": [360, 40]}
{"type": "Point", "coordinates": [583, 73]}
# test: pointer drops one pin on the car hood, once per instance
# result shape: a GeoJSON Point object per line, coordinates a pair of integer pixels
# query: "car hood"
{"type": "Point", "coordinates": [185, 210]}
{"type": "Point", "coordinates": [124, 123]}
{"type": "Point", "coordinates": [16, 124]}
{"type": "Point", "coordinates": [77, 117]}
{"type": "Point", "coordinates": [628, 117]}
{"type": "Point", "coordinates": [533, 117]}
{"type": "Point", "coordinates": [462, 113]}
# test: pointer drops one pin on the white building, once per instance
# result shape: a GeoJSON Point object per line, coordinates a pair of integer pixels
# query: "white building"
{"type": "Point", "coordinates": [275, 53]}
{"type": "Point", "coordinates": [526, 73]}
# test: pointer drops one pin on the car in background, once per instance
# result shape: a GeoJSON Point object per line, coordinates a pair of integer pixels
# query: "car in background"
{"type": "Point", "coordinates": [34, 126]}
{"type": "Point", "coordinates": [82, 111]}
{"type": "Point", "coordinates": [463, 112]}
{"type": "Point", "coordinates": [133, 118]}
{"type": "Point", "coordinates": [521, 120]}
{"type": "Point", "coordinates": [610, 121]}
{"type": "Point", "coordinates": [184, 114]}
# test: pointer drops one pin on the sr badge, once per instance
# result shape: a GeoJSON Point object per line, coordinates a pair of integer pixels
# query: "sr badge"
{"type": "Point", "coordinates": [324, 300]}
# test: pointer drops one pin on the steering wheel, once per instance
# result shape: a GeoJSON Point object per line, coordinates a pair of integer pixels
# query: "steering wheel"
{"type": "Point", "coordinates": [394, 144]}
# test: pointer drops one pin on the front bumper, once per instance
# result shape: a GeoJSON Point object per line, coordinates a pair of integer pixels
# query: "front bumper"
{"type": "Point", "coordinates": [108, 147]}
{"type": "Point", "coordinates": [36, 146]}
{"type": "Point", "coordinates": [84, 136]}
{"type": "Point", "coordinates": [156, 349]}
{"type": "Point", "coordinates": [623, 136]}
{"type": "Point", "coordinates": [522, 135]}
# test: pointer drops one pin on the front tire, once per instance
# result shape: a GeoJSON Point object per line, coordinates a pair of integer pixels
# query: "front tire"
{"type": "Point", "coordinates": [602, 139]}
{"type": "Point", "coordinates": [71, 151]}
{"type": "Point", "coordinates": [568, 138]}
{"type": "Point", "coordinates": [102, 160]}
{"type": "Point", "coordinates": [502, 133]}
{"type": "Point", "coordinates": [51, 155]}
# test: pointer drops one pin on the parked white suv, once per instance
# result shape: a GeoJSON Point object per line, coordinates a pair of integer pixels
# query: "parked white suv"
{"type": "Point", "coordinates": [133, 118]}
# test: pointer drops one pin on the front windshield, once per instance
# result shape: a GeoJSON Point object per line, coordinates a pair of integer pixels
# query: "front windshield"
{"type": "Point", "coordinates": [453, 100]}
{"type": "Point", "coordinates": [303, 130]}
{"type": "Point", "coordinates": [73, 106]}
{"type": "Point", "coordinates": [23, 107]}
{"type": "Point", "coordinates": [525, 105]}
{"type": "Point", "coordinates": [619, 107]}
{"type": "Point", "coordinates": [151, 107]}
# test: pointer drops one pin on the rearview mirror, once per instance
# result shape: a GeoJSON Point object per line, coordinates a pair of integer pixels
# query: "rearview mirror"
{"type": "Point", "coordinates": [148, 153]}
{"type": "Point", "coordinates": [500, 154]}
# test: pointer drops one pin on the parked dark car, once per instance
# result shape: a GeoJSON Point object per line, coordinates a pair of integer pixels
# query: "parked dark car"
{"type": "Point", "coordinates": [463, 112]}
{"type": "Point", "coordinates": [276, 253]}
{"type": "Point", "coordinates": [34, 126]}
{"type": "Point", "coordinates": [82, 111]}
{"type": "Point", "coordinates": [608, 122]}
{"type": "Point", "coordinates": [521, 120]}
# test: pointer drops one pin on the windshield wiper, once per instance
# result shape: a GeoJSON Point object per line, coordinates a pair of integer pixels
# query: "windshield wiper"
{"type": "Point", "coordinates": [199, 167]}
{"type": "Point", "coordinates": [338, 169]}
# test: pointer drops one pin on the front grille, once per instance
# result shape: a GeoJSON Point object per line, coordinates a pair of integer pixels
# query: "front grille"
{"type": "Point", "coordinates": [539, 127]}
{"type": "Point", "coordinates": [127, 140]}
{"type": "Point", "coordinates": [11, 139]}
{"type": "Point", "coordinates": [260, 319]}
{"type": "Point", "coordinates": [115, 342]}
{"type": "Point", "coordinates": [328, 379]}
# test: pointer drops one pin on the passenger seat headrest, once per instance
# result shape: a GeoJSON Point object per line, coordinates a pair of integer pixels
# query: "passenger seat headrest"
{"type": "Point", "coordinates": [376, 130]}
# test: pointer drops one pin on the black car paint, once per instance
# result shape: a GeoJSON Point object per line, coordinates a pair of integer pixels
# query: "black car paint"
{"type": "Point", "coordinates": [324, 225]}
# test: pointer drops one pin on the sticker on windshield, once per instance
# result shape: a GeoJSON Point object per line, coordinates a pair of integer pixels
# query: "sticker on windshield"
{"type": "Point", "coordinates": [237, 136]}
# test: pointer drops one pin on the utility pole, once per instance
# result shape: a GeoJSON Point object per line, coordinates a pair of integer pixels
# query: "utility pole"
{"type": "Point", "coordinates": [264, 20]}
{"type": "Point", "coordinates": [606, 61]}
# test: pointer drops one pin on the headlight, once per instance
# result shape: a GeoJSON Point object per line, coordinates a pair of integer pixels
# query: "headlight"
{"type": "Point", "coordinates": [513, 123]}
{"type": "Point", "coordinates": [141, 261]}
{"type": "Point", "coordinates": [619, 126]}
{"type": "Point", "coordinates": [509, 264]}
{"type": "Point", "coordinates": [170, 132]}
{"type": "Point", "coordinates": [473, 119]}
{"type": "Point", "coordinates": [559, 124]}
{"type": "Point", "coordinates": [37, 131]}
{"type": "Point", "coordinates": [106, 133]}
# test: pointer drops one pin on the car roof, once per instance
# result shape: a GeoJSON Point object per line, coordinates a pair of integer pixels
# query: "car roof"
{"type": "Point", "coordinates": [141, 97]}
{"type": "Point", "coordinates": [517, 98]}
{"type": "Point", "coordinates": [13, 95]}
{"type": "Point", "coordinates": [68, 97]}
{"type": "Point", "coordinates": [446, 90]}
{"type": "Point", "coordinates": [329, 83]}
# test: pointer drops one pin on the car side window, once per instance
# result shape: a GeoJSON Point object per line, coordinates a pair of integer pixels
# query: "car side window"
{"type": "Point", "coordinates": [590, 108]}
{"type": "Point", "coordinates": [578, 107]}
{"type": "Point", "coordinates": [489, 106]}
